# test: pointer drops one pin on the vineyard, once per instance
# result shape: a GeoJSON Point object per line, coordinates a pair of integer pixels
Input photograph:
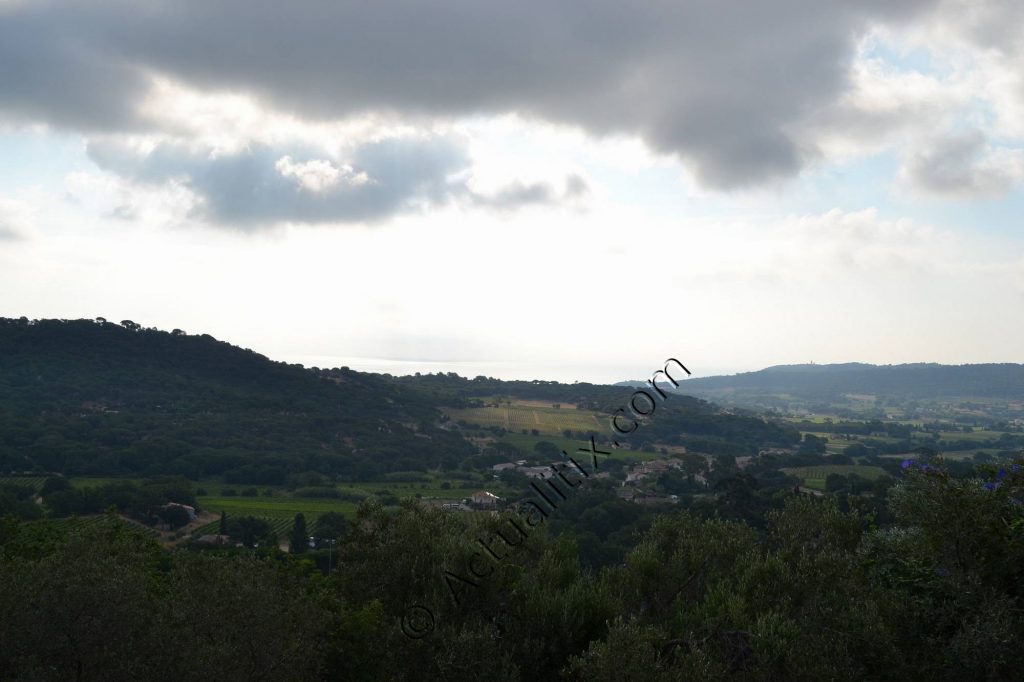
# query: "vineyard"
{"type": "Point", "coordinates": [35, 482]}
{"type": "Point", "coordinates": [280, 525]}
{"type": "Point", "coordinates": [279, 512]}
{"type": "Point", "coordinates": [81, 522]}
{"type": "Point", "coordinates": [814, 476]}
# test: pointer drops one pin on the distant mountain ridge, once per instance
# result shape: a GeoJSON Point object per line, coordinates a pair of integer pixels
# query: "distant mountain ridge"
{"type": "Point", "coordinates": [913, 380]}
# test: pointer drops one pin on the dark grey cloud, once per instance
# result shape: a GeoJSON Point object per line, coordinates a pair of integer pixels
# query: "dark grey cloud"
{"type": "Point", "coordinates": [261, 185]}
{"type": "Point", "coordinates": [723, 85]}
{"type": "Point", "coordinates": [962, 165]}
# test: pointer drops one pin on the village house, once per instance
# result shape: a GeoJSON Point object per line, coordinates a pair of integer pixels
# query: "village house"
{"type": "Point", "coordinates": [635, 476]}
{"type": "Point", "coordinates": [537, 472]}
{"type": "Point", "coordinates": [213, 540]}
{"type": "Point", "coordinates": [485, 499]}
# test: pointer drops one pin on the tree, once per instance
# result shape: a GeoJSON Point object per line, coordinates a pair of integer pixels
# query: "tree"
{"type": "Point", "coordinates": [693, 465]}
{"type": "Point", "coordinates": [298, 539]}
{"type": "Point", "coordinates": [331, 526]}
{"type": "Point", "coordinates": [54, 484]}
{"type": "Point", "coordinates": [835, 482]}
{"type": "Point", "coordinates": [174, 516]}
{"type": "Point", "coordinates": [249, 530]}
{"type": "Point", "coordinates": [223, 530]}
{"type": "Point", "coordinates": [546, 449]}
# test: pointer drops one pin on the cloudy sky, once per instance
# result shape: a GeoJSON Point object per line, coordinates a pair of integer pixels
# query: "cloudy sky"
{"type": "Point", "coordinates": [566, 190]}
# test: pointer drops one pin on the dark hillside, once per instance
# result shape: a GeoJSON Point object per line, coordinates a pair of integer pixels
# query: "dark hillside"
{"type": "Point", "coordinates": [84, 396]}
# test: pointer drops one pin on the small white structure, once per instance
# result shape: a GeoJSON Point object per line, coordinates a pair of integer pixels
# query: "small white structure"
{"type": "Point", "coordinates": [190, 510]}
{"type": "Point", "coordinates": [485, 499]}
{"type": "Point", "coordinates": [537, 472]}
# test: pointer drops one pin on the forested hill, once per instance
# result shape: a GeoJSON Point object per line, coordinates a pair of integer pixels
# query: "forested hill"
{"type": "Point", "coordinates": [84, 396]}
{"type": "Point", "coordinates": [98, 398]}
{"type": "Point", "coordinates": [681, 420]}
{"type": "Point", "coordinates": [913, 381]}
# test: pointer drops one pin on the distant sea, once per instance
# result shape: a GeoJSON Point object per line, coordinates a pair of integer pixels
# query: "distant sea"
{"type": "Point", "coordinates": [507, 370]}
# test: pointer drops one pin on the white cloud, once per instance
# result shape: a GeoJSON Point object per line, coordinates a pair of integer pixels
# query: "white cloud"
{"type": "Point", "coordinates": [318, 175]}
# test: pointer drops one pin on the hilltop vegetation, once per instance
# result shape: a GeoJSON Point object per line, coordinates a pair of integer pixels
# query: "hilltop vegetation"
{"type": "Point", "coordinates": [85, 397]}
{"type": "Point", "coordinates": [94, 397]}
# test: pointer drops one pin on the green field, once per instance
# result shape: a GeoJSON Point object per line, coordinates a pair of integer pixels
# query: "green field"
{"type": "Point", "coordinates": [433, 488]}
{"type": "Point", "coordinates": [97, 481]}
{"type": "Point", "coordinates": [974, 435]}
{"type": "Point", "coordinates": [546, 420]}
{"type": "Point", "coordinates": [275, 507]}
{"type": "Point", "coordinates": [814, 476]}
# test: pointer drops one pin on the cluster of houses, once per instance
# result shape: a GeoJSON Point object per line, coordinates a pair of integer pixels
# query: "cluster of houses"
{"type": "Point", "coordinates": [541, 472]}
{"type": "Point", "coordinates": [477, 501]}
{"type": "Point", "coordinates": [634, 488]}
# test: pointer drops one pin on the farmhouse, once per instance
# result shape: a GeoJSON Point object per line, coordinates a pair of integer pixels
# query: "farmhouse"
{"type": "Point", "coordinates": [485, 499]}
{"type": "Point", "coordinates": [214, 540]}
{"type": "Point", "coordinates": [190, 510]}
{"type": "Point", "coordinates": [537, 472]}
{"type": "Point", "coordinates": [503, 466]}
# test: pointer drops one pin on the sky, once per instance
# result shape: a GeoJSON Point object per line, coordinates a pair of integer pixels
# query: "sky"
{"type": "Point", "coordinates": [530, 190]}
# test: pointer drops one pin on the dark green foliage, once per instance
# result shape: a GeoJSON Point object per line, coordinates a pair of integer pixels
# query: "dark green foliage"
{"type": "Point", "coordinates": [816, 594]}
{"type": "Point", "coordinates": [143, 501]}
{"type": "Point", "coordinates": [76, 396]}
{"type": "Point", "coordinates": [298, 538]}
{"type": "Point", "coordinates": [250, 530]}
{"type": "Point", "coordinates": [331, 526]}
{"type": "Point", "coordinates": [17, 500]}
{"type": "Point", "coordinates": [174, 517]}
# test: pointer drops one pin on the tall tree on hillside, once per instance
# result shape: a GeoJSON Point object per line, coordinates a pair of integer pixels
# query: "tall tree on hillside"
{"type": "Point", "coordinates": [298, 540]}
{"type": "Point", "coordinates": [223, 522]}
{"type": "Point", "coordinates": [331, 526]}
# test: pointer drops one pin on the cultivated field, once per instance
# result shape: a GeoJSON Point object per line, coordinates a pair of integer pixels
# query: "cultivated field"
{"type": "Point", "coordinates": [519, 416]}
{"type": "Point", "coordinates": [34, 482]}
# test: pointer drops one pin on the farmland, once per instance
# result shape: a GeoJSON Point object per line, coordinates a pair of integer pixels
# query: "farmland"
{"type": "Point", "coordinates": [530, 416]}
{"type": "Point", "coordinates": [278, 512]}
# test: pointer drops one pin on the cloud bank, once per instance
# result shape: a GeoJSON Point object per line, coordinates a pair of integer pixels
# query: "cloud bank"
{"type": "Point", "coordinates": [743, 94]}
{"type": "Point", "coordinates": [725, 86]}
